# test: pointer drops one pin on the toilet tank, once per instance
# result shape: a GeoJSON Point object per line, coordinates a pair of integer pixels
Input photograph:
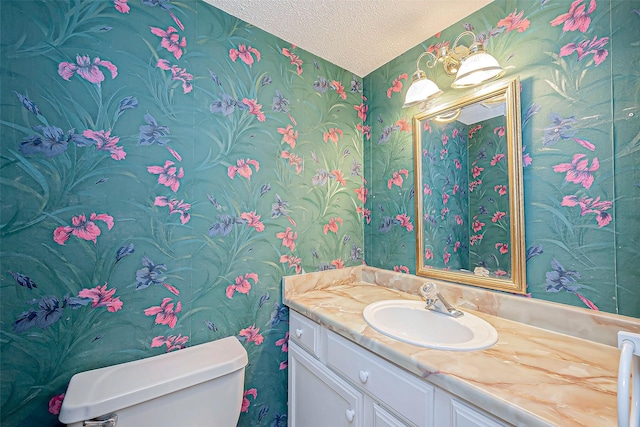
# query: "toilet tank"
{"type": "Point", "coordinates": [195, 386]}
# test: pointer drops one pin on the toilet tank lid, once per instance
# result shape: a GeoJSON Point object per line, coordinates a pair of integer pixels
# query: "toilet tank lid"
{"type": "Point", "coordinates": [102, 391]}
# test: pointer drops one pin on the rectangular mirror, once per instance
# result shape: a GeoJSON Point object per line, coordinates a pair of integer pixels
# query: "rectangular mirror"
{"type": "Point", "coordinates": [469, 191]}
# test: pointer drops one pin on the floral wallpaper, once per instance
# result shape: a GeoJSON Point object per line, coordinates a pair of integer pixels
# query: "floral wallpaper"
{"type": "Point", "coordinates": [578, 63]}
{"type": "Point", "coordinates": [163, 165]}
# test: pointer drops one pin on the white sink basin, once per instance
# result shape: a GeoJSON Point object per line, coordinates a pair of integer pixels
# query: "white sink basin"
{"type": "Point", "coordinates": [411, 322]}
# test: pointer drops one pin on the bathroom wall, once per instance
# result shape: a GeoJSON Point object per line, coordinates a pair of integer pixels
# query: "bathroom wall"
{"type": "Point", "coordinates": [163, 165]}
{"type": "Point", "coordinates": [578, 64]}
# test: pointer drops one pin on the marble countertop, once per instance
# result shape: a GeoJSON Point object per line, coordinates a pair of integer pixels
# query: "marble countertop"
{"type": "Point", "coordinates": [530, 377]}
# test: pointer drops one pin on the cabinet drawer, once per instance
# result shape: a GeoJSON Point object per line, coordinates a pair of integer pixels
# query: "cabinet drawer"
{"type": "Point", "coordinates": [304, 332]}
{"type": "Point", "coordinates": [400, 391]}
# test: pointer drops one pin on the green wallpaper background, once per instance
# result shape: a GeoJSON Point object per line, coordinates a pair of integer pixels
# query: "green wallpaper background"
{"type": "Point", "coordinates": [164, 164]}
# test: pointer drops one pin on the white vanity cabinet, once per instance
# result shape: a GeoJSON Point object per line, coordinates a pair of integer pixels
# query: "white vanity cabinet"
{"type": "Point", "coordinates": [334, 382]}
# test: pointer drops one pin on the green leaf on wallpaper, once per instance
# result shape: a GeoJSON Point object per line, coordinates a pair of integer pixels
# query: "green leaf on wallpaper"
{"type": "Point", "coordinates": [557, 213]}
{"type": "Point", "coordinates": [34, 173]}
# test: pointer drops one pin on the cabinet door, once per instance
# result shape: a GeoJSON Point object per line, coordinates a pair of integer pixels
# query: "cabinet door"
{"type": "Point", "coordinates": [383, 418]}
{"type": "Point", "coordinates": [454, 412]}
{"type": "Point", "coordinates": [318, 397]}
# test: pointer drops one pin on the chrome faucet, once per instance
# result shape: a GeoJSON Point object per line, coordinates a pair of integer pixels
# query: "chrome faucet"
{"type": "Point", "coordinates": [436, 302]}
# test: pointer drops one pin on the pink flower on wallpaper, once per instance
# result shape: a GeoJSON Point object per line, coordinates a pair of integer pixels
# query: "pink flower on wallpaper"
{"type": "Point", "coordinates": [284, 365]}
{"type": "Point", "coordinates": [526, 159]}
{"type": "Point", "coordinates": [293, 59]}
{"type": "Point", "coordinates": [474, 129]}
{"type": "Point", "coordinates": [456, 188]}
{"type": "Point", "coordinates": [339, 88]}
{"type": "Point", "coordinates": [427, 126]}
{"type": "Point", "coordinates": [366, 130]}
{"type": "Point", "coordinates": [514, 21]}
{"type": "Point", "coordinates": [366, 213]}
{"type": "Point", "coordinates": [590, 205]}
{"type": "Point", "coordinates": [294, 160]}
{"type": "Point", "coordinates": [476, 171]}
{"type": "Point", "coordinates": [55, 403]}
{"type": "Point", "coordinates": [396, 178]}
{"type": "Point", "coordinates": [498, 216]}
{"type": "Point", "coordinates": [459, 220]}
{"type": "Point", "coordinates": [577, 18]}
{"type": "Point", "coordinates": [445, 198]}
{"type": "Point", "coordinates": [283, 343]}
{"type": "Point", "coordinates": [446, 258]}
{"type": "Point", "coordinates": [332, 135]}
{"type": "Point", "coordinates": [165, 313]}
{"type": "Point", "coordinates": [500, 272]}
{"type": "Point", "coordinates": [252, 335]}
{"type": "Point", "coordinates": [428, 254]}
{"type": "Point", "coordinates": [578, 171]}
{"type": "Point", "coordinates": [253, 220]}
{"type": "Point", "coordinates": [475, 239]}
{"type": "Point", "coordinates": [443, 213]}
{"type": "Point", "coordinates": [254, 108]}
{"type": "Point", "coordinates": [401, 269]}
{"type": "Point", "coordinates": [445, 139]}
{"type": "Point", "coordinates": [586, 144]}
{"type": "Point", "coordinates": [174, 153]}
{"type": "Point", "coordinates": [175, 206]}
{"type": "Point", "coordinates": [443, 153]}
{"type": "Point", "coordinates": [337, 263]}
{"type": "Point", "coordinates": [288, 238]}
{"type": "Point", "coordinates": [502, 247]}
{"type": "Point", "coordinates": [121, 6]}
{"type": "Point", "coordinates": [292, 261]}
{"type": "Point", "coordinates": [497, 159]}
{"type": "Point", "coordinates": [178, 74]}
{"type": "Point", "coordinates": [245, 401]}
{"type": "Point", "coordinates": [403, 125]}
{"type": "Point", "coordinates": [102, 297]}
{"type": "Point", "coordinates": [455, 133]}
{"type": "Point", "coordinates": [499, 131]}
{"type": "Point", "coordinates": [477, 225]}
{"type": "Point", "coordinates": [243, 168]}
{"type": "Point", "coordinates": [332, 225]}
{"type": "Point", "coordinates": [362, 110]}
{"type": "Point", "coordinates": [171, 289]}
{"type": "Point", "coordinates": [426, 189]}
{"type": "Point", "coordinates": [338, 176]}
{"type": "Point", "coordinates": [500, 189]}
{"type": "Point", "coordinates": [474, 184]}
{"type": "Point", "coordinates": [405, 221]}
{"type": "Point", "coordinates": [586, 47]}
{"type": "Point", "coordinates": [244, 53]}
{"type": "Point", "coordinates": [587, 302]}
{"type": "Point", "coordinates": [104, 141]}
{"type": "Point", "coordinates": [171, 40]}
{"type": "Point", "coordinates": [172, 342]}
{"type": "Point", "coordinates": [168, 175]}
{"type": "Point", "coordinates": [82, 228]}
{"type": "Point", "coordinates": [396, 86]}
{"type": "Point", "coordinates": [456, 246]}
{"type": "Point", "coordinates": [242, 285]}
{"type": "Point", "coordinates": [87, 69]}
{"type": "Point", "coordinates": [289, 135]}
{"type": "Point", "coordinates": [362, 193]}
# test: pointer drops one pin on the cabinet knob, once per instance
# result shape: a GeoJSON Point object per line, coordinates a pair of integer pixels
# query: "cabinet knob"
{"type": "Point", "coordinates": [299, 333]}
{"type": "Point", "coordinates": [350, 414]}
{"type": "Point", "coordinates": [364, 376]}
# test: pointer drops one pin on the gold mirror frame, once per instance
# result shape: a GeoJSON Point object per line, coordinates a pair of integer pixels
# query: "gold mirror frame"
{"type": "Point", "coordinates": [517, 281]}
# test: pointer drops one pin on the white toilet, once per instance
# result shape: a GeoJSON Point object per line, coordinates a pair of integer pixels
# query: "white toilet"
{"type": "Point", "coordinates": [196, 386]}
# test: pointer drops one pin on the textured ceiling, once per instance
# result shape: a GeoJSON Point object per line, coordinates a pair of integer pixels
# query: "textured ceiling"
{"type": "Point", "coordinates": [357, 35]}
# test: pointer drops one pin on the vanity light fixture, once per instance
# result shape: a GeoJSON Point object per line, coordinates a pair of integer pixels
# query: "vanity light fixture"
{"type": "Point", "coordinates": [471, 65]}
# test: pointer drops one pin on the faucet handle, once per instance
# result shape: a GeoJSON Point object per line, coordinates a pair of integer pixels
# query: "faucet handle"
{"type": "Point", "coordinates": [429, 292]}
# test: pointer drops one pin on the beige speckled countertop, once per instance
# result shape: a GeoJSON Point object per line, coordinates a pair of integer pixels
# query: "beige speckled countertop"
{"type": "Point", "coordinates": [532, 376]}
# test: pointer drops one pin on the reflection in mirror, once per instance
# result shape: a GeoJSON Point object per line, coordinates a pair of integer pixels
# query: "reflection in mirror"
{"type": "Point", "coordinates": [469, 196]}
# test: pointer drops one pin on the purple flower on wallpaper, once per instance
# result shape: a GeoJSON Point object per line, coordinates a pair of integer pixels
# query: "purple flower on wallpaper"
{"type": "Point", "coordinates": [280, 103]}
{"type": "Point", "coordinates": [386, 133]}
{"type": "Point", "coordinates": [385, 225]}
{"type": "Point", "coordinates": [225, 104]}
{"type": "Point", "coordinates": [150, 274]}
{"type": "Point", "coordinates": [177, 73]}
{"type": "Point", "coordinates": [49, 312]}
{"type": "Point", "coordinates": [51, 142]}
{"type": "Point", "coordinates": [578, 170]}
{"type": "Point", "coordinates": [22, 280]}
{"type": "Point", "coordinates": [152, 132]}
{"type": "Point", "coordinates": [28, 104]}
{"type": "Point", "coordinates": [87, 69]}
{"type": "Point", "coordinates": [223, 226]}
{"type": "Point", "coordinates": [356, 85]}
{"type": "Point", "coordinates": [124, 251]}
{"type": "Point", "coordinates": [560, 279]}
{"type": "Point", "coordinates": [561, 129]}
{"type": "Point", "coordinates": [266, 80]}
{"type": "Point", "coordinates": [577, 18]}
{"type": "Point", "coordinates": [279, 420]}
{"type": "Point", "coordinates": [171, 40]}
{"type": "Point", "coordinates": [534, 250]}
{"type": "Point", "coordinates": [356, 253]}
{"type": "Point", "coordinates": [320, 178]}
{"type": "Point", "coordinates": [321, 85]}
{"type": "Point", "coordinates": [127, 103]}
{"type": "Point", "coordinates": [279, 314]}
{"type": "Point", "coordinates": [586, 47]}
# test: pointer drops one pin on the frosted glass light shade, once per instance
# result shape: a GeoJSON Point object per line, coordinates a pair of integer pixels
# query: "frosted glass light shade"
{"type": "Point", "coordinates": [477, 68]}
{"type": "Point", "coordinates": [421, 89]}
